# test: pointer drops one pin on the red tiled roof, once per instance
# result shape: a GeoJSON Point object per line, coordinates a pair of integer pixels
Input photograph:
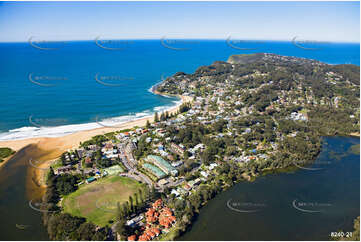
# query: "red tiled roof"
{"type": "Point", "coordinates": [144, 237]}
{"type": "Point", "coordinates": [166, 212]}
{"type": "Point", "coordinates": [132, 238]}
{"type": "Point", "coordinates": [164, 217]}
{"type": "Point", "coordinates": [151, 219]}
{"type": "Point", "coordinates": [166, 221]}
{"type": "Point", "coordinates": [150, 233]}
{"type": "Point", "coordinates": [158, 204]}
{"type": "Point", "coordinates": [150, 212]}
{"type": "Point", "coordinates": [155, 230]}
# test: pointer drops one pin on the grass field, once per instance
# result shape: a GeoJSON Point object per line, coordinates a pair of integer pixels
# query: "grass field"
{"type": "Point", "coordinates": [97, 201]}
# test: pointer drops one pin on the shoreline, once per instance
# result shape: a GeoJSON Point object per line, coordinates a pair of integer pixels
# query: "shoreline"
{"type": "Point", "coordinates": [58, 145]}
{"type": "Point", "coordinates": [355, 134]}
{"type": "Point", "coordinates": [251, 178]}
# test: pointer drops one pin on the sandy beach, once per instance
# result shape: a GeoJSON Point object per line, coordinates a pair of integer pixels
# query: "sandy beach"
{"type": "Point", "coordinates": [356, 134]}
{"type": "Point", "coordinates": [53, 147]}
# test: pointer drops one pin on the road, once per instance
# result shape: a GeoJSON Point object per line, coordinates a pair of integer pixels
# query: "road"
{"type": "Point", "coordinates": [140, 177]}
{"type": "Point", "coordinates": [126, 163]}
{"type": "Point", "coordinates": [132, 171]}
{"type": "Point", "coordinates": [176, 183]}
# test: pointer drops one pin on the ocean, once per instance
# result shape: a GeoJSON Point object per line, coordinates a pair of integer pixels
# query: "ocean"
{"type": "Point", "coordinates": [51, 89]}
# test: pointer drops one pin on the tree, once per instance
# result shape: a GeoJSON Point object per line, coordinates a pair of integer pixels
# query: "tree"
{"type": "Point", "coordinates": [205, 194]}
{"type": "Point", "coordinates": [120, 212]}
{"type": "Point", "coordinates": [62, 225]}
{"type": "Point", "coordinates": [51, 176]}
{"type": "Point", "coordinates": [184, 107]}
{"type": "Point", "coordinates": [156, 118]}
{"type": "Point", "coordinates": [102, 234]}
{"type": "Point", "coordinates": [131, 204]}
{"type": "Point", "coordinates": [153, 192]}
{"type": "Point", "coordinates": [162, 117]}
{"type": "Point", "coordinates": [66, 184]}
{"type": "Point", "coordinates": [137, 202]}
{"type": "Point", "coordinates": [147, 125]}
{"type": "Point", "coordinates": [120, 229]}
{"type": "Point", "coordinates": [62, 159]}
{"type": "Point", "coordinates": [84, 232]}
{"type": "Point", "coordinates": [141, 195]}
{"type": "Point", "coordinates": [195, 200]}
{"type": "Point", "coordinates": [126, 208]}
{"type": "Point", "coordinates": [166, 190]}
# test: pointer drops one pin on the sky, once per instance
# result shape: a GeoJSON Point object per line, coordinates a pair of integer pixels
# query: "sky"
{"type": "Point", "coordinates": [312, 21]}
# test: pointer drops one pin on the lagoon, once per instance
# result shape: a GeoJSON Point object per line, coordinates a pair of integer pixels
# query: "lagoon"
{"type": "Point", "coordinates": [307, 204]}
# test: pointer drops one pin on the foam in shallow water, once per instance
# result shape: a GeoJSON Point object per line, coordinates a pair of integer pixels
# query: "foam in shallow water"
{"type": "Point", "coordinates": [58, 131]}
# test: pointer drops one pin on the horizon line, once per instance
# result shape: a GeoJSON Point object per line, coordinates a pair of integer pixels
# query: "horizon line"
{"type": "Point", "coordinates": [202, 39]}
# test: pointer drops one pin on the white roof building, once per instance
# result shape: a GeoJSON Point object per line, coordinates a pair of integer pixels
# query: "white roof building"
{"type": "Point", "coordinates": [205, 174]}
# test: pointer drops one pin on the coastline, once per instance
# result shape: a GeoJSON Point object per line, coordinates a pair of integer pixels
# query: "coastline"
{"type": "Point", "coordinates": [53, 147]}
{"type": "Point", "coordinates": [251, 178]}
{"type": "Point", "coordinates": [355, 134]}
{"type": "Point", "coordinates": [270, 171]}
{"type": "Point", "coordinates": [45, 150]}
{"type": "Point", "coordinates": [39, 174]}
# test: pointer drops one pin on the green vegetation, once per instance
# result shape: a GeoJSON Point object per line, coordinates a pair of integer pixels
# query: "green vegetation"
{"type": "Point", "coordinates": [184, 107]}
{"type": "Point", "coordinates": [97, 201]}
{"type": "Point", "coordinates": [156, 117]}
{"type": "Point", "coordinates": [244, 58]}
{"type": "Point", "coordinates": [255, 114]}
{"type": "Point", "coordinates": [96, 140]}
{"type": "Point", "coordinates": [66, 184]}
{"type": "Point", "coordinates": [63, 226]}
{"type": "Point", "coordinates": [56, 164]}
{"type": "Point", "coordinates": [5, 152]}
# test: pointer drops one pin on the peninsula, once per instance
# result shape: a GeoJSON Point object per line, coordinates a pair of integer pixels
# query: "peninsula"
{"type": "Point", "coordinates": [252, 114]}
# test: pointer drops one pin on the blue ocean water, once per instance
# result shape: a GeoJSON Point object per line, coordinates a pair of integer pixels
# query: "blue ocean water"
{"type": "Point", "coordinates": [56, 88]}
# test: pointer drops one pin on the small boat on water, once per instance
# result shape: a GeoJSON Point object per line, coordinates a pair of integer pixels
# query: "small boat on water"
{"type": "Point", "coordinates": [20, 226]}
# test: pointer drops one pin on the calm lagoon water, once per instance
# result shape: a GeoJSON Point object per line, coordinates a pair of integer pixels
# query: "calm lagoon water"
{"type": "Point", "coordinates": [302, 205]}
{"type": "Point", "coordinates": [14, 201]}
